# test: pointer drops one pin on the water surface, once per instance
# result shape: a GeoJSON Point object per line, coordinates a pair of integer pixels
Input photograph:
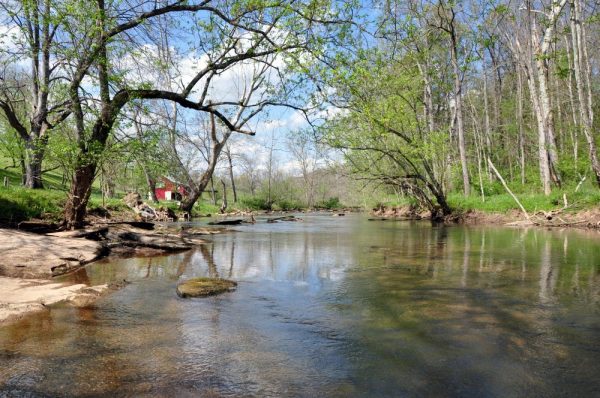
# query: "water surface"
{"type": "Point", "coordinates": [339, 307]}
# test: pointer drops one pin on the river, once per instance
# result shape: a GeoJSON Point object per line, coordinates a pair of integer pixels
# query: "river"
{"type": "Point", "coordinates": [330, 307]}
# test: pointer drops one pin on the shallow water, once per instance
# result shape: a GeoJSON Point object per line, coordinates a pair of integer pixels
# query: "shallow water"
{"type": "Point", "coordinates": [337, 307]}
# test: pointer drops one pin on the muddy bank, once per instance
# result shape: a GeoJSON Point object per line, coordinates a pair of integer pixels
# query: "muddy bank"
{"type": "Point", "coordinates": [559, 218]}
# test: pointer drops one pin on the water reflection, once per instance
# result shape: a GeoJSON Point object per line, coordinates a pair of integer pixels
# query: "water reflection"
{"type": "Point", "coordinates": [341, 307]}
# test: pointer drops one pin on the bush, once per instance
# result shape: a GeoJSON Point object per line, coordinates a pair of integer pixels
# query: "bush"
{"type": "Point", "coordinates": [331, 203]}
{"type": "Point", "coordinates": [255, 203]}
{"type": "Point", "coordinates": [287, 205]}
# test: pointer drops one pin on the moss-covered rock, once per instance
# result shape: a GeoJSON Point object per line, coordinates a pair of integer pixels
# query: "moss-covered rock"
{"type": "Point", "coordinates": [201, 287]}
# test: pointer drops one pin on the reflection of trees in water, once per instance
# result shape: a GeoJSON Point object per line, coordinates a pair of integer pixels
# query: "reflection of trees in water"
{"type": "Point", "coordinates": [533, 264]}
{"type": "Point", "coordinates": [548, 273]}
{"type": "Point", "coordinates": [479, 305]}
{"type": "Point", "coordinates": [466, 259]}
{"type": "Point", "coordinates": [231, 259]}
{"type": "Point", "coordinates": [209, 258]}
{"type": "Point", "coordinates": [290, 257]}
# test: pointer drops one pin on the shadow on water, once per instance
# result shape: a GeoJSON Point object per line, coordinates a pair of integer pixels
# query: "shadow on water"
{"type": "Point", "coordinates": [328, 307]}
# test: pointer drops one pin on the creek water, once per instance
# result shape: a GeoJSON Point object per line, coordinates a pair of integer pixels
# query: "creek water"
{"type": "Point", "coordinates": [330, 307]}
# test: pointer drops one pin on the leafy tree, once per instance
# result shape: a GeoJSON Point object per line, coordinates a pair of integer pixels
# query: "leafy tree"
{"type": "Point", "coordinates": [384, 135]}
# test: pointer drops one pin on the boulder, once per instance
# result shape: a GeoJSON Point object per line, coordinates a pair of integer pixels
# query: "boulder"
{"type": "Point", "coordinates": [202, 287]}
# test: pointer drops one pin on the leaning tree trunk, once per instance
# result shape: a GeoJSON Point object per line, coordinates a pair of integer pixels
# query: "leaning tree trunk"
{"type": "Point", "coordinates": [217, 146]}
{"type": "Point", "coordinates": [188, 203]}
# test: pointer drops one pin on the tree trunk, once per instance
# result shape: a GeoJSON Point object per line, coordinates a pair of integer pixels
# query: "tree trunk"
{"type": "Point", "coordinates": [23, 169]}
{"type": "Point", "coordinates": [231, 176]}
{"type": "Point", "coordinates": [151, 182]}
{"type": "Point", "coordinates": [441, 199]}
{"type": "Point", "coordinates": [207, 176]}
{"type": "Point", "coordinates": [459, 116]}
{"type": "Point", "coordinates": [548, 119]}
{"type": "Point", "coordinates": [33, 165]}
{"type": "Point", "coordinates": [213, 194]}
{"type": "Point", "coordinates": [585, 107]}
{"type": "Point", "coordinates": [152, 188]}
{"type": "Point", "coordinates": [547, 141]}
{"type": "Point", "coordinates": [487, 129]}
{"type": "Point", "coordinates": [520, 122]}
{"type": "Point", "coordinates": [224, 203]}
{"type": "Point", "coordinates": [573, 131]}
{"type": "Point", "coordinates": [81, 188]}
{"type": "Point", "coordinates": [542, 150]}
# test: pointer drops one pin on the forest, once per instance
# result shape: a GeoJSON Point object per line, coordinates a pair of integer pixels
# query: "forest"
{"type": "Point", "coordinates": [442, 104]}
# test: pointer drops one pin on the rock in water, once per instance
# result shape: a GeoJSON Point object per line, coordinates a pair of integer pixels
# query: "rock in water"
{"type": "Point", "coordinates": [202, 287]}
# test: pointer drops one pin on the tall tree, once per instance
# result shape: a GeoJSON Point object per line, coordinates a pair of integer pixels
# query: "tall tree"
{"type": "Point", "coordinates": [447, 14]}
{"type": "Point", "coordinates": [581, 71]}
{"type": "Point", "coordinates": [229, 32]}
{"type": "Point", "coordinates": [30, 96]}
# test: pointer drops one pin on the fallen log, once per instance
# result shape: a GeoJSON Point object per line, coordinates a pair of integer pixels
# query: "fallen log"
{"type": "Point", "coordinates": [227, 222]}
{"type": "Point", "coordinates": [37, 227]}
{"type": "Point", "coordinates": [137, 224]}
{"type": "Point", "coordinates": [284, 218]}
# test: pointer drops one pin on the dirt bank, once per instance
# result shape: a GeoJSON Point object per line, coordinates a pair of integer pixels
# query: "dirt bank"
{"type": "Point", "coordinates": [582, 219]}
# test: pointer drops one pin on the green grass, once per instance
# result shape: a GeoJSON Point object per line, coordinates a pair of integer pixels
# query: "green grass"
{"type": "Point", "coordinates": [394, 201]}
{"type": "Point", "coordinates": [203, 208]}
{"type": "Point", "coordinates": [500, 203]}
{"type": "Point", "coordinates": [18, 204]}
{"type": "Point", "coordinates": [110, 204]}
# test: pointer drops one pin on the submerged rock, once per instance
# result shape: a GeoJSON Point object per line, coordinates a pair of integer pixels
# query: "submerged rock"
{"type": "Point", "coordinates": [201, 287]}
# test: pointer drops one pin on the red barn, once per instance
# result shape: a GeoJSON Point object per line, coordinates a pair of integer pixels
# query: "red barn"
{"type": "Point", "coordinates": [167, 189]}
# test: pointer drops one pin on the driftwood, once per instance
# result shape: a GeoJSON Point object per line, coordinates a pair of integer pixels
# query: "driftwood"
{"type": "Point", "coordinates": [227, 222]}
{"type": "Point", "coordinates": [541, 218]}
{"type": "Point", "coordinates": [137, 224]}
{"type": "Point", "coordinates": [284, 218]}
{"type": "Point", "coordinates": [507, 188]}
{"type": "Point", "coordinates": [38, 227]}
{"type": "Point", "coordinates": [147, 212]}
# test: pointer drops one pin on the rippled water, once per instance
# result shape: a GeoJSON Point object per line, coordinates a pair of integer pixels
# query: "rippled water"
{"type": "Point", "coordinates": [337, 307]}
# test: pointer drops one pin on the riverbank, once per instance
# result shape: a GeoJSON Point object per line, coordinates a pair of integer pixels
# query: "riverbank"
{"type": "Point", "coordinates": [587, 218]}
{"type": "Point", "coordinates": [30, 261]}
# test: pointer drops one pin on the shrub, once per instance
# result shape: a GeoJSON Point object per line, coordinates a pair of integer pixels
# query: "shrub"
{"type": "Point", "coordinates": [331, 203]}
